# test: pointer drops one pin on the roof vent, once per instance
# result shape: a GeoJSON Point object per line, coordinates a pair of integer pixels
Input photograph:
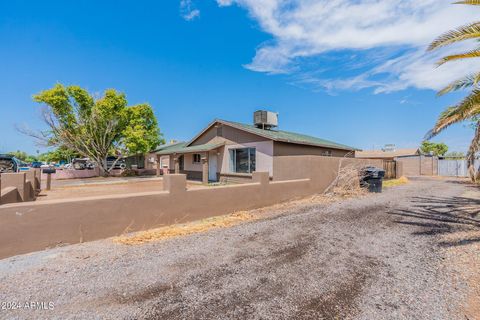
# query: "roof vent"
{"type": "Point", "coordinates": [265, 120]}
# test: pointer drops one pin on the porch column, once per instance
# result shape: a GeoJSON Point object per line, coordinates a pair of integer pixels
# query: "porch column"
{"type": "Point", "coordinates": [159, 165]}
{"type": "Point", "coordinates": [177, 164]}
{"type": "Point", "coordinates": [205, 168]}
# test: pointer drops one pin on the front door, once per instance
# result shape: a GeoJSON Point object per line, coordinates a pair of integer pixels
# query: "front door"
{"type": "Point", "coordinates": [212, 166]}
{"type": "Point", "coordinates": [181, 162]}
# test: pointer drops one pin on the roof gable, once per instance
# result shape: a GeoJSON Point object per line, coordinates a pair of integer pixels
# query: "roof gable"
{"type": "Point", "coordinates": [277, 135]}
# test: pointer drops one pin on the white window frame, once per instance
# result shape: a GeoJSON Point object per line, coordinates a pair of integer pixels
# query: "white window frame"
{"type": "Point", "coordinates": [233, 159]}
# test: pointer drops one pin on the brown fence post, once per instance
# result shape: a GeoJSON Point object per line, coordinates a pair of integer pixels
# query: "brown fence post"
{"type": "Point", "coordinates": [30, 185]}
{"type": "Point", "coordinates": [175, 183]}
{"type": "Point", "coordinates": [399, 169]}
{"type": "Point", "coordinates": [158, 166]}
{"type": "Point", "coordinates": [205, 168]}
{"type": "Point", "coordinates": [49, 181]}
{"type": "Point", "coordinates": [38, 179]}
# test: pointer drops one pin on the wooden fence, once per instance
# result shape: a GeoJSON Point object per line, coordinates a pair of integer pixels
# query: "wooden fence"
{"type": "Point", "coordinates": [390, 168]}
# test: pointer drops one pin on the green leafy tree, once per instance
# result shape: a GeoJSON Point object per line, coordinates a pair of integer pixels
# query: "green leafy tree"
{"type": "Point", "coordinates": [58, 155]}
{"type": "Point", "coordinates": [21, 155]}
{"type": "Point", "coordinates": [141, 134]}
{"type": "Point", "coordinates": [469, 108]}
{"type": "Point", "coordinates": [455, 155]}
{"type": "Point", "coordinates": [438, 149]}
{"type": "Point", "coordinates": [96, 128]}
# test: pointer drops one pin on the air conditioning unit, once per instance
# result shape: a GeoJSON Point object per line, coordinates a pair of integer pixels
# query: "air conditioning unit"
{"type": "Point", "coordinates": [265, 119]}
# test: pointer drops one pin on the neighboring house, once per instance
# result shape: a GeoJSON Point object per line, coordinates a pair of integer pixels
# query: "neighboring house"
{"type": "Point", "coordinates": [387, 154]}
{"type": "Point", "coordinates": [230, 151]}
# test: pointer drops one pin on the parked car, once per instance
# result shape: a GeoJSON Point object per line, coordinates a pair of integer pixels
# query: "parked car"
{"type": "Point", "coordinates": [36, 164]}
{"type": "Point", "coordinates": [9, 163]}
{"type": "Point", "coordinates": [120, 164]}
{"type": "Point", "coordinates": [80, 164]}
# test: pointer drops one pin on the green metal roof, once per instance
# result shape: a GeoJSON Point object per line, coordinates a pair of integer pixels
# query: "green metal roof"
{"type": "Point", "coordinates": [289, 137]}
{"type": "Point", "coordinates": [171, 145]}
{"type": "Point", "coordinates": [181, 147]}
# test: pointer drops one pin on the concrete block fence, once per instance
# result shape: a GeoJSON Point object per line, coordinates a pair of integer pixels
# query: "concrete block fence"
{"type": "Point", "coordinates": [20, 186]}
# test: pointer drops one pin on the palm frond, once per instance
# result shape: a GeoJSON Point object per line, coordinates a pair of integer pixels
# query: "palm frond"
{"type": "Point", "coordinates": [470, 2]}
{"type": "Point", "coordinates": [470, 54]}
{"type": "Point", "coordinates": [468, 81]}
{"type": "Point", "coordinates": [462, 33]}
{"type": "Point", "coordinates": [467, 108]}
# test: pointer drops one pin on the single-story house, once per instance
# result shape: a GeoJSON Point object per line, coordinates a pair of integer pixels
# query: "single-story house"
{"type": "Point", "coordinates": [231, 151]}
{"type": "Point", "coordinates": [387, 154]}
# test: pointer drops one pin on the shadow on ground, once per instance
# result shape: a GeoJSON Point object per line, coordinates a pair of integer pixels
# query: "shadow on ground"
{"type": "Point", "coordinates": [442, 215]}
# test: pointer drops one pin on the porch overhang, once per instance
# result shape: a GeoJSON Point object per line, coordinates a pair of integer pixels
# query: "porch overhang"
{"type": "Point", "coordinates": [192, 149]}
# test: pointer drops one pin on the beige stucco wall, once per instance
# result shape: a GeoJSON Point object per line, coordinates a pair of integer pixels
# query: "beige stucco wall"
{"type": "Point", "coordinates": [229, 134]}
{"type": "Point", "coordinates": [188, 162]}
{"type": "Point", "coordinates": [289, 149]}
{"type": "Point", "coordinates": [324, 169]}
{"type": "Point", "coordinates": [150, 161]}
{"type": "Point", "coordinates": [263, 155]}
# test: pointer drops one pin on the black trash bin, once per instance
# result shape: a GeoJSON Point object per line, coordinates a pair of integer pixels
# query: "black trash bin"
{"type": "Point", "coordinates": [372, 178]}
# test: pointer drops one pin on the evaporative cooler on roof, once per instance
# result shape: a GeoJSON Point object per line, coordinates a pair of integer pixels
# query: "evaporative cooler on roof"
{"type": "Point", "coordinates": [265, 119]}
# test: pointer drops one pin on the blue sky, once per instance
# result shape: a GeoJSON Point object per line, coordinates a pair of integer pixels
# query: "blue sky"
{"type": "Point", "coordinates": [194, 61]}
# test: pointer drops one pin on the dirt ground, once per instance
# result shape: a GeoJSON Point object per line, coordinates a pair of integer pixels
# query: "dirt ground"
{"type": "Point", "coordinates": [77, 188]}
{"type": "Point", "coordinates": [411, 252]}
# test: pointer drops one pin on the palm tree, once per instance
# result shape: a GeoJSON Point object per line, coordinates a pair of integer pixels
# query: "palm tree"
{"type": "Point", "coordinates": [469, 107]}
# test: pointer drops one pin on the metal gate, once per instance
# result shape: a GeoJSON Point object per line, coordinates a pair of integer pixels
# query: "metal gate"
{"type": "Point", "coordinates": [454, 168]}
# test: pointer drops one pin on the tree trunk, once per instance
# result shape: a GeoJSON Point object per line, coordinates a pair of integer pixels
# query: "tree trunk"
{"type": "Point", "coordinates": [102, 167]}
{"type": "Point", "coordinates": [472, 151]}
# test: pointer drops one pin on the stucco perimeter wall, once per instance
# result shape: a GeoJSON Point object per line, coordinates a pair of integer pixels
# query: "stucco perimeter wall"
{"type": "Point", "coordinates": [321, 170]}
{"type": "Point", "coordinates": [73, 174]}
{"type": "Point", "coordinates": [417, 166]}
{"type": "Point", "coordinates": [19, 186]}
{"type": "Point", "coordinates": [33, 226]}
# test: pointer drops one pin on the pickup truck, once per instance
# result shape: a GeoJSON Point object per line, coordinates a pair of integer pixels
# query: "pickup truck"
{"type": "Point", "coordinates": [9, 163]}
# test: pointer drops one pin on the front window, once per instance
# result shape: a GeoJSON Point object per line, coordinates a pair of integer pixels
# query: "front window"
{"type": "Point", "coordinates": [242, 160]}
{"type": "Point", "coordinates": [197, 158]}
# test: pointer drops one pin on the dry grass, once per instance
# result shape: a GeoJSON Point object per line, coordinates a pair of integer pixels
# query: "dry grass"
{"type": "Point", "coordinates": [395, 182]}
{"type": "Point", "coordinates": [177, 230]}
{"type": "Point", "coordinates": [346, 185]}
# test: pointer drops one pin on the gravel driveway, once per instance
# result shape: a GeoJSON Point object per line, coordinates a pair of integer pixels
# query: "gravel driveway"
{"type": "Point", "coordinates": [378, 257]}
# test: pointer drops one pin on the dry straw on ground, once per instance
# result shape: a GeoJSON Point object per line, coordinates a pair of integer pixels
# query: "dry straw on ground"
{"type": "Point", "coordinates": [347, 181]}
{"type": "Point", "coordinates": [345, 185]}
{"type": "Point", "coordinates": [177, 230]}
{"type": "Point", "coordinates": [395, 182]}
